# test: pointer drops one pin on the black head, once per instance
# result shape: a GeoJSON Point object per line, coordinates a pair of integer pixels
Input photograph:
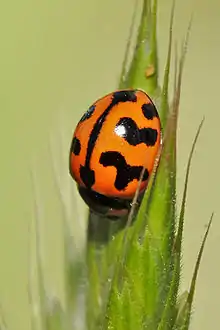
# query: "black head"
{"type": "Point", "coordinates": [113, 208]}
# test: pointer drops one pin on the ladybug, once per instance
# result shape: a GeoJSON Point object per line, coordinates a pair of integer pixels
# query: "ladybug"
{"type": "Point", "coordinates": [115, 139]}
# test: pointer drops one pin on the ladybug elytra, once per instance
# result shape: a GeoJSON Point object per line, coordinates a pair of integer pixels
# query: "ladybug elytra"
{"type": "Point", "coordinates": [115, 139]}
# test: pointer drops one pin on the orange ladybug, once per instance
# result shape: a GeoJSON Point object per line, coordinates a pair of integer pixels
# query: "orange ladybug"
{"type": "Point", "coordinates": [115, 139]}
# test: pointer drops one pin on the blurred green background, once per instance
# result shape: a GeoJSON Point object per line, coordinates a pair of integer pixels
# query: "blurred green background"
{"type": "Point", "coordinates": [57, 57]}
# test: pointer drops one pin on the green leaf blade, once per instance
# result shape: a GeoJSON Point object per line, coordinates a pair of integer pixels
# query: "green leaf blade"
{"type": "Point", "coordinates": [143, 71]}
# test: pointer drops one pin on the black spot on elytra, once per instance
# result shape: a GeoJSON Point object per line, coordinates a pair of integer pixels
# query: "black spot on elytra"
{"type": "Point", "coordinates": [87, 175]}
{"type": "Point", "coordinates": [94, 135]}
{"type": "Point", "coordinates": [124, 96]}
{"type": "Point", "coordinates": [133, 135]}
{"type": "Point", "coordinates": [149, 111]}
{"type": "Point", "coordinates": [88, 113]}
{"type": "Point", "coordinates": [75, 146]}
{"type": "Point", "coordinates": [125, 172]}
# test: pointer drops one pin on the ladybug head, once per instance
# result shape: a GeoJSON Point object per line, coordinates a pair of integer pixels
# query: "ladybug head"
{"type": "Point", "coordinates": [113, 208]}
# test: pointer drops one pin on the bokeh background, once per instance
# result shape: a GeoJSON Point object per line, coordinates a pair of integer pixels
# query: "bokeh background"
{"type": "Point", "coordinates": [57, 57]}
